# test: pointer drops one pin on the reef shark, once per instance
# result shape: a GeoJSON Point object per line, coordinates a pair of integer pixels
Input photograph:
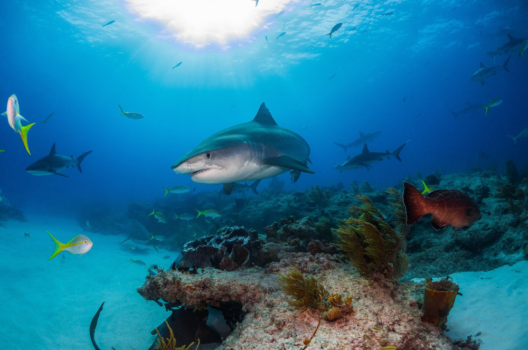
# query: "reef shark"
{"type": "Point", "coordinates": [54, 163]}
{"type": "Point", "coordinates": [363, 138]}
{"type": "Point", "coordinates": [484, 72]}
{"type": "Point", "coordinates": [514, 44]}
{"type": "Point", "coordinates": [250, 151]}
{"type": "Point", "coordinates": [366, 158]}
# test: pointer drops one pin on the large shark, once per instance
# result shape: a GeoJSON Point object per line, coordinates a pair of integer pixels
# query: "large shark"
{"type": "Point", "coordinates": [513, 45]}
{"type": "Point", "coordinates": [363, 138]}
{"type": "Point", "coordinates": [470, 108]}
{"type": "Point", "coordinates": [250, 151]}
{"type": "Point", "coordinates": [54, 163]}
{"type": "Point", "coordinates": [367, 158]}
{"type": "Point", "coordinates": [484, 72]}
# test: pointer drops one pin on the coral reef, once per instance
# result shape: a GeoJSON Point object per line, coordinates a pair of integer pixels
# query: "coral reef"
{"type": "Point", "coordinates": [366, 188]}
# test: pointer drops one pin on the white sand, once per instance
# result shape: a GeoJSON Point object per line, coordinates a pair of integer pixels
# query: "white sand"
{"type": "Point", "coordinates": [50, 304]}
{"type": "Point", "coordinates": [494, 303]}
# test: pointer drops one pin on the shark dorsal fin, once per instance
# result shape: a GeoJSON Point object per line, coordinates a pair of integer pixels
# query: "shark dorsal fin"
{"type": "Point", "coordinates": [482, 65]}
{"type": "Point", "coordinates": [264, 116]}
{"type": "Point", "coordinates": [361, 134]}
{"type": "Point", "coordinates": [511, 37]}
{"type": "Point", "coordinates": [53, 152]}
{"type": "Point", "coordinates": [365, 149]}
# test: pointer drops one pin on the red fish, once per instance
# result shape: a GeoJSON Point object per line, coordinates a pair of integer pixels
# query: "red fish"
{"type": "Point", "coordinates": [448, 207]}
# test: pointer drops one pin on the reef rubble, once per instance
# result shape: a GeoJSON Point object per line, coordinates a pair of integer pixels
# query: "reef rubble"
{"type": "Point", "coordinates": [385, 314]}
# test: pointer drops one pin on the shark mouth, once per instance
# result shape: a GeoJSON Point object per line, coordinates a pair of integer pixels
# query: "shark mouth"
{"type": "Point", "coordinates": [200, 171]}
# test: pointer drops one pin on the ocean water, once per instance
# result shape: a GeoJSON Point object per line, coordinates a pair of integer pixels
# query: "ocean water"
{"type": "Point", "coordinates": [397, 67]}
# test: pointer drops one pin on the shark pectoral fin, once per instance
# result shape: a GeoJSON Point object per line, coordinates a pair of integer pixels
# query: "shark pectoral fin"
{"type": "Point", "coordinates": [56, 173]}
{"type": "Point", "coordinates": [287, 162]}
{"type": "Point", "coordinates": [228, 188]}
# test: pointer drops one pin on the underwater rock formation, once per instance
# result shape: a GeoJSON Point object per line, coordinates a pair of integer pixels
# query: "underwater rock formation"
{"type": "Point", "coordinates": [383, 314]}
{"type": "Point", "coordinates": [229, 249]}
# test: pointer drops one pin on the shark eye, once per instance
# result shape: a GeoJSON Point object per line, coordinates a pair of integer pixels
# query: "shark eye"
{"type": "Point", "coordinates": [208, 155]}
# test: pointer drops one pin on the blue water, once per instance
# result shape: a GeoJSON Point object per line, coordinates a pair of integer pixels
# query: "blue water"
{"type": "Point", "coordinates": [56, 57]}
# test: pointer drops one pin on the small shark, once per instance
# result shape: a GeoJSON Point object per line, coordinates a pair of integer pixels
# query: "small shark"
{"type": "Point", "coordinates": [281, 34]}
{"type": "Point", "coordinates": [179, 64]}
{"type": "Point", "coordinates": [366, 158]}
{"type": "Point", "coordinates": [484, 72]}
{"type": "Point", "coordinates": [107, 24]}
{"type": "Point", "coordinates": [54, 163]}
{"type": "Point", "coordinates": [334, 29]}
{"type": "Point", "coordinates": [522, 135]}
{"type": "Point", "coordinates": [362, 140]}
{"type": "Point", "coordinates": [513, 45]}
{"type": "Point", "coordinates": [250, 151]}
{"type": "Point", "coordinates": [470, 108]}
{"type": "Point", "coordinates": [241, 188]}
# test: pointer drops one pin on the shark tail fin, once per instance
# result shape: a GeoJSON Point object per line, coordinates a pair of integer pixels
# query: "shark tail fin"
{"type": "Point", "coordinates": [454, 113]}
{"type": "Point", "coordinates": [80, 159]}
{"type": "Point", "coordinates": [492, 54]}
{"type": "Point", "coordinates": [344, 147]}
{"type": "Point", "coordinates": [23, 134]}
{"type": "Point", "coordinates": [122, 111]}
{"type": "Point", "coordinates": [505, 65]}
{"type": "Point", "coordinates": [396, 153]}
{"type": "Point", "coordinates": [59, 247]}
{"type": "Point", "coordinates": [254, 186]}
{"type": "Point", "coordinates": [166, 191]}
{"type": "Point", "coordinates": [513, 138]}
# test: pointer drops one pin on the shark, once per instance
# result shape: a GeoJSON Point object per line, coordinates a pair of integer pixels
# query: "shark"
{"type": "Point", "coordinates": [366, 158]}
{"type": "Point", "coordinates": [513, 45]}
{"type": "Point", "coordinates": [470, 108]}
{"type": "Point", "coordinates": [251, 151]}
{"type": "Point", "coordinates": [54, 163]}
{"type": "Point", "coordinates": [484, 72]}
{"type": "Point", "coordinates": [363, 138]}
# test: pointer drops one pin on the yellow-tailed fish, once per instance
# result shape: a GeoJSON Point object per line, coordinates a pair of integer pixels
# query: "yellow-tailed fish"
{"type": "Point", "coordinates": [77, 245]}
{"type": "Point", "coordinates": [160, 216]}
{"type": "Point", "coordinates": [177, 190]}
{"type": "Point", "coordinates": [210, 213]}
{"type": "Point", "coordinates": [389, 348]}
{"type": "Point", "coordinates": [15, 119]}
{"type": "Point", "coordinates": [493, 103]}
{"type": "Point", "coordinates": [1, 150]}
{"type": "Point", "coordinates": [426, 189]}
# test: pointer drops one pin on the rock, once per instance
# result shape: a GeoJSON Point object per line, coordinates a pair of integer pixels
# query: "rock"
{"type": "Point", "coordinates": [334, 314]}
{"type": "Point", "coordinates": [316, 247]}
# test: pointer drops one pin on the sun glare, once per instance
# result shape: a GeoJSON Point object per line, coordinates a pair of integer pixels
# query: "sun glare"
{"type": "Point", "coordinates": [207, 22]}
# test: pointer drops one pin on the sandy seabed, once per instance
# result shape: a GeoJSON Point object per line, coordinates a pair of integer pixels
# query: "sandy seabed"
{"type": "Point", "coordinates": [50, 304]}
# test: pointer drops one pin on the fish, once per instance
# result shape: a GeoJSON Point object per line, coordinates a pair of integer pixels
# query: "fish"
{"type": "Point", "coordinates": [390, 13]}
{"type": "Point", "coordinates": [513, 45]}
{"type": "Point", "coordinates": [334, 29]}
{"type": "Point", "coordinates": [139, 262]}
{"type": "Point", "coordinates": [448, 207]}
{"type": "Point", "coordinates": [280, 13]}
{"type": "Point", "coordinates": [426, 189]}
{"type": "Point", "coordinates": [184, 216]}
{"type": "Point", "coordinates": [363, 138]}
{"type": "Point", "coordinates": [266, 38]}
{"type": "Point", "coordinates": [107, 24]}
{"type": "Point", "coordinates": [27, 235]}
{"type": "Point", "coordinates": [88, 227]}
{"type": "Point", "coordinates": [131, 115]}
{"type": "Point", "coordinates": [241, 188]}
{"type": "Point", "coordinates": [78, 245]}
{"type": "Point", "coordinates": [15, 120]}
{"type": "Point", "coordinates": [470, 108]}
{"type": "Point", "coordinates": [177, 190]}
{"type": "Point", "coordinates": [281, 34]}
{"type": "Point", "coordinates": [484, 72]}
{"type": "Point", "coordinates": [48, 118]}
{"type": "Point", "coordinates": [179, 64]}
{"type": "Point", "coordinates": [250, 151]}
{"type": "Point", "coordinates": [318, 4]}
{"type": "Point", "coordinates": [366, 158]}
{"type": "Point", "coordinates": [522, 135]}
{"type": "Point", "coordinates": [166, 257]}
{"type": "Point", "coordinates": [54, 163]}
{"type": "Point", "coordinates": [160, 216]}
{"type": "Point", "coordinates": [1, 150]}
{"type": "Point", "coordinates": [493, 103]}
{"type": "Point", "coordinates": [209, 213]}
{"type": "Point", "coordinates": [256, 3]}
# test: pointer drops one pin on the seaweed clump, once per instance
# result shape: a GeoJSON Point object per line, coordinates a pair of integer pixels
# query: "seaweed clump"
{"type": "Point", "coordinates": [319, 197]}
{"type": "Point", "coordinates": [373, 246]}
{"type": "Point", "coordinates": [170, 343]}
{"type": "Point", "coordinates": [305, 293]}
